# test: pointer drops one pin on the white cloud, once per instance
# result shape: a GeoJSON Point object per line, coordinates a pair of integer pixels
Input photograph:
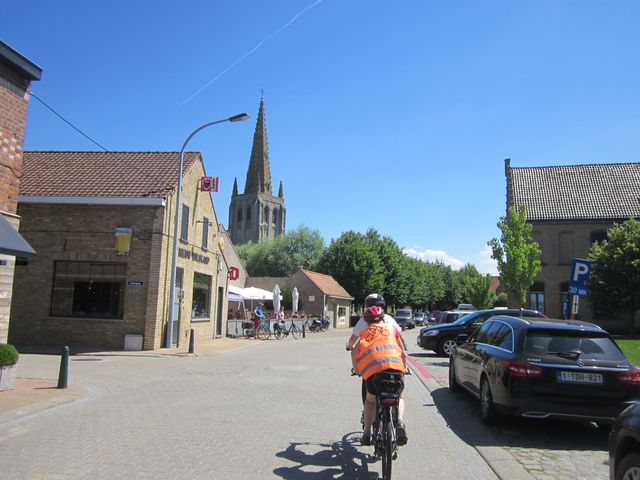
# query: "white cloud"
{"type": "Point", "coordinates": [429, 255]}
{"type": "Point", "coordinates": [482, 260]}
{"type": "Point", "coordinates": [486, 263]}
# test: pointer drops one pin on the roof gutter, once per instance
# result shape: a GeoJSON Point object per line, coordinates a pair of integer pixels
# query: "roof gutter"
{"type": "Point", "coordinates": [146, 201]}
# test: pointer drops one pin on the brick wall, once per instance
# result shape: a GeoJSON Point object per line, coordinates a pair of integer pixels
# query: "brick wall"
{"type": "Point", "coordinates": [14, 99]}
{"type": "Point", "coordinates": [560, 242]}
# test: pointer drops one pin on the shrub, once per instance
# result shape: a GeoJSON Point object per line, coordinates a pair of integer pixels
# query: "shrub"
{"type": "Point", "coordinates": [8, 354]}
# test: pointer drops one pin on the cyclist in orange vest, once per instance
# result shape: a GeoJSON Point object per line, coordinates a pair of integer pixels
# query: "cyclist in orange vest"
{"type": "Point", "coordinates": [380, 348]}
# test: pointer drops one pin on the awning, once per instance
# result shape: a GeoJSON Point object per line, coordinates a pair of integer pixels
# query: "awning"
{"type": "Point", "coordinates": [234, 297]}
{"type": "Point", "coordinates": [11, 242]}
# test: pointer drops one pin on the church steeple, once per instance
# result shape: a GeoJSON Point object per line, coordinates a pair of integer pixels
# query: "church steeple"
{"type": "Point", "coordinates": [259, 172]}
{"type": "Point", "coordinates": [280, 191]}
{"type": "Point", "coordinates": [235, 187]}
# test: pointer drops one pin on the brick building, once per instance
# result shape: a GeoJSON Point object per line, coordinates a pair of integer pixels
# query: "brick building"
{"type": "Point", "coordinates": [16, 75]}
{"type": "Point", "coordinates": [570, 207]}
{"type": "Point", "coordinates": [102, 223]}
{"type": "Point", "coordinates": [319, 294]}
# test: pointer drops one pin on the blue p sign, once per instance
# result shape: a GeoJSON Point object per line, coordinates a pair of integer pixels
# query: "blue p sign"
{"type": "Point", "coordinates": [580, 273]}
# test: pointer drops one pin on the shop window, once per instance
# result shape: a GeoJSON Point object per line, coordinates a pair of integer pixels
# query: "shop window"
{"type": "Point", "coordinates": [201, 299]}
{"type": "Point", "coordinates": [184, 230]}
{"type": "Point", "coordinates": [88, 290]}
{"type": "Point", "coordinates": [342, 312]}
{"type": "Point", "coordinates": [536, 296]}
{"type": "Point", "coordinates": [565, 306]}
{"type": "Point", "coordinates": [205, 232]}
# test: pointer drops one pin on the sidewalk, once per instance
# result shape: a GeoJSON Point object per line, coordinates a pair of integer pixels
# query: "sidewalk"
{"type": "Point", "coordinates": [35, 394]}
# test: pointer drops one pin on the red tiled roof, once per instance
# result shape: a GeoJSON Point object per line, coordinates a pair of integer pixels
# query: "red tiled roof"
{"type": "Point", "coordinates": [327, 284]}
{"type": "Point", "coordinates": [102, 174]}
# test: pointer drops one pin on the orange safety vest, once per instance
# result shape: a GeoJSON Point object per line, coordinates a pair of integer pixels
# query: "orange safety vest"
{"type": "Point", "coordinates": [379, 350]}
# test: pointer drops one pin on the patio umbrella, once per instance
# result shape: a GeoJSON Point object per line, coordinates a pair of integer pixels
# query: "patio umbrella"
{"type": "Point", "coordinates": [276, 299]}
{"type": "Point", "coordinates": [295, 297]}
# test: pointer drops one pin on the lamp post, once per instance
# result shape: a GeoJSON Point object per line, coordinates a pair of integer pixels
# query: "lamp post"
{"type": "Point", "coordinates": [172, 299]}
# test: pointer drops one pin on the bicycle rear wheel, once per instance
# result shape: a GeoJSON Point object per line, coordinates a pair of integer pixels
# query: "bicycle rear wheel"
{"type": "Point", "coordinates": [387, 454]}
{"type": "Point", "coordinates": [278, 334]}
{"type": "Point", "coordinates": [248, 332]}
{"type": "Point", "coordinates": [295, 331]}
{"type": "Point", "coordinates": [264, 332]}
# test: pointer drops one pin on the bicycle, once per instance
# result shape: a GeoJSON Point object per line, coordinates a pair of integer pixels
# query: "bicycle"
{"type": "Point", "coordinates": [294, 330]}
{"type": "Point", "coordinates": [264, 332]}
{"type": "Point", "coordinates": [384, 438]}
{"type": "Point", "coordinates": [320, 324]}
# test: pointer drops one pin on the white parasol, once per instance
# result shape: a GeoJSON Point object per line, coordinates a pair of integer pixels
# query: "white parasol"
{"type": "Point", "coordinates": [276, 299]}
{"type": "Point", "coordinates": [295, 297]}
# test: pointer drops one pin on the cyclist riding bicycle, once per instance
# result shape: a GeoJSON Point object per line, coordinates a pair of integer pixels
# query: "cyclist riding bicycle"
{"type": "Point", "coordinates": [378, 348]}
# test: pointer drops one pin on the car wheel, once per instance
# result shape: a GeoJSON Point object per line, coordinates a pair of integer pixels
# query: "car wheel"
{"type": "Point", "coordinates": [488, 412]}
{"type": "Point", "coordinates": [446, 346]}
{"type": "Point", "coordinates": [629, 467]}
{"type": "Point", "coordinates": [454, 386]}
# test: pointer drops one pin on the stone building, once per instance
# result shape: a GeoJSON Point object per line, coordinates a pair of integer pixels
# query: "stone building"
{"type": "Point", "coordinates": [102, 223]}
{"type": "Point", "coordinates": [570, 207]}
{"type": "Point", "coordinates": [319, 294]}
{"type": "Point", "coordinates": [257, 214]}
{"type": "Point", "coordinates": [16, 74]}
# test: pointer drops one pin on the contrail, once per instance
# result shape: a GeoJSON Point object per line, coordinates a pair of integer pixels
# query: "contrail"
{"type": "Point", "coordinates": [286, 25]}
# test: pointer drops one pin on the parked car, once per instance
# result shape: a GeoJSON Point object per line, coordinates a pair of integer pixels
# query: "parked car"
{"type": "Point", "coordinates": [450, 316]}
{"type": "Point", "coordinates": [624, 445]}
{"type": "Point", "coordinates": [545, 369]}
{"type": "Point", "coordinates": [419, 318]}
{"type": "Point", "coordinates": [404, 318]}
{"type": "Point", "coordinates": [442, 338]}
{"type": "Point", "coordinates": [466, 306]}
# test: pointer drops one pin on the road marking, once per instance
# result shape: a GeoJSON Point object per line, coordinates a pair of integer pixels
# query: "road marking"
{"type": "Point", "coordinates": [417, 366]}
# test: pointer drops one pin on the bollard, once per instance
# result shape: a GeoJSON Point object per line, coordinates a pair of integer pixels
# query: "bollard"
{"type": "Point", "coordinates": [304, 330]}
{"type": "Point", "coordinates": [192, 341]}
{"type": "Point", "coordinates": [63, 376]}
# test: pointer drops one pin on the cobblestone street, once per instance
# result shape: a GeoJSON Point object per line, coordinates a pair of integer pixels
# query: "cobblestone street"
{"type": "Point", "coordinates": [273, 409]}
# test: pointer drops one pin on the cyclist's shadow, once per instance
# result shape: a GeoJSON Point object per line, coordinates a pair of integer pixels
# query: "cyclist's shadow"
{"type": "Point", "coordinates": [338, 460]}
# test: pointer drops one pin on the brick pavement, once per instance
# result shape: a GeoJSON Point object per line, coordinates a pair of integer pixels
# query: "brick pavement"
{"type": "Point", "coordinates": [544, 449]}
{"type": "Point", "coordinates": [269, 409]}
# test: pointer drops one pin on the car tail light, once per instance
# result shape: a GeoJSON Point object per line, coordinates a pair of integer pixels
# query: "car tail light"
{"type": "Point", "coordinates": [523, 369]}
{"type": "Point", "coordinates": [631, 376]}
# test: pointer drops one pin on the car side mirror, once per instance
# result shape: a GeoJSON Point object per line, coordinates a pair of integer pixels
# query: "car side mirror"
{"type": "Point", "coordinates": [462, 338]}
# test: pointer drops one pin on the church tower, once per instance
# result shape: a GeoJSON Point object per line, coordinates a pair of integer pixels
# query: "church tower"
{"type": "Point", "coordinates": [257, 214]}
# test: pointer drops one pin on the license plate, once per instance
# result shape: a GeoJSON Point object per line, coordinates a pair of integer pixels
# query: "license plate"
{"type": "Point", "coordinates": [580, 377]}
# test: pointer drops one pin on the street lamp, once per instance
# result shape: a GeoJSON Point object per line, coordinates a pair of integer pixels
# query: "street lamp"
{"type": "Point", "coordinates": [236, 118]}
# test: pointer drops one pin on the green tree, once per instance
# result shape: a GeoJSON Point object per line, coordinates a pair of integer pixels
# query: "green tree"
{"type": "Point", "coordinates": [352, 261]}
{"type": "Point", "coordinates": [478, 290]}
{"type": "Point", "coordinates": [615, 273]}
{"type": "Point", "coordinates": [396, 288]}
{"type": "Point", "coordinates": [283, 255]}
{"type": "Point", "coordinates": [517, 254]}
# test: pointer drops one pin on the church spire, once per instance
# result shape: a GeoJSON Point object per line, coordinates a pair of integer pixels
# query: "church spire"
{"type": "Point", "coordinates": [259, 172]}
{"type": "Point", "coordinates": [280, 191]}
{"type": "Point", "coordinates": [235, 187]}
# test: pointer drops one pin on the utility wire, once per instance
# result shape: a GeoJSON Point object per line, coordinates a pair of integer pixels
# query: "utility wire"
{"type": "Point", "coordinates": [68, 122]}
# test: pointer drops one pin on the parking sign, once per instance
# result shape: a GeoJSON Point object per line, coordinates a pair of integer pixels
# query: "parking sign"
{"type": "Point", "coordinates": [580, 273]}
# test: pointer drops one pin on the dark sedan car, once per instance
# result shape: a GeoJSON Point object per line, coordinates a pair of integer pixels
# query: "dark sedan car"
{"type": "Point", "coordinates": [442, 338]}
{"type": "Point", "coordinates": [542, 368]}
{"type": "Point", "coordinates": [624, 445]}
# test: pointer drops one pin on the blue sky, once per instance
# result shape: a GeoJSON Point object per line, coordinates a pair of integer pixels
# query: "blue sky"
{"type": "Point", "coordinates": [392, 115]}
